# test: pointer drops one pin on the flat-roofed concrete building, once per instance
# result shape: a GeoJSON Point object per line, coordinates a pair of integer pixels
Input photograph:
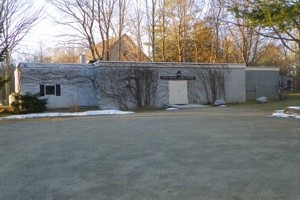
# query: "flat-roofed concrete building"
{"type": "Point", "coordinates": [131, 84]}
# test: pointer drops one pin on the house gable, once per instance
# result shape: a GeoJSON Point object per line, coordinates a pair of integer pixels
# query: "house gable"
{"type": "Point", "coordinates": [129, 50]}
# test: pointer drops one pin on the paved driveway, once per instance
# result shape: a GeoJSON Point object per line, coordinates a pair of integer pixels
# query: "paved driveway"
{"type": "Point", "coordinates": [206, 153]}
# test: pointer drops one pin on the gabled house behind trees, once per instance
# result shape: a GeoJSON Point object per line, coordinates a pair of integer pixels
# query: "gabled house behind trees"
{"type": "Point", "coordinates": [117, 49]}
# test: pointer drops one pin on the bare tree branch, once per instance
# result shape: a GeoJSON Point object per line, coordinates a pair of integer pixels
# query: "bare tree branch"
{"type": "Point", "coordinates": [17, 18]}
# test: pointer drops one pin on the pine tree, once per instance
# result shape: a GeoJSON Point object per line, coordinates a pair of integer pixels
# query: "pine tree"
{"type": "Point", "coordinates": [279, 18]}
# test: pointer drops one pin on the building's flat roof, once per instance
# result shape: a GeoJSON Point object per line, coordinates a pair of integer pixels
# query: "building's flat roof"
{"type": "Point", "coordinates": [166, 64]}
{"type": "Point", "coordinates": [129, 64]}
{"type": "Point", "coordinates": [55, 65]}
{"type": "Point", "coordinates": [262, 69]}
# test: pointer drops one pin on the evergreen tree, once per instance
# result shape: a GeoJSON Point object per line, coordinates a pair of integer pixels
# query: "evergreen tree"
{"type": "Point", "coordinates": [279, 18]}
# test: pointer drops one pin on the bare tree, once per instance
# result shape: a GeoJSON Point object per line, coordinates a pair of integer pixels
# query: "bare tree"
{"type": "Point", "coordinates": [93, 21]}
{"type": "Point", "coordinates": [105, 11]}
{"type": "Point", "coordinates": [151, 23]}
{"type": "Point", "coordinates": [79, 16]}
{"type": "Point", "coordinates": [121, 24]}
{"type": "Point", "coordinates": [231, 52]}
{"type": "Point", "coordinates": [162, 27]}
{"type": "Point", "coordinates": [162, 32]}
{"type": "Point", "coordinates": [232, 40]}
{"type": "Point", "coordinates": [182, 17]}
{"type": "Point", "coordinates": [173, 30]}
{"type": "Point", "coordinates": [136, 18]}
{"type": "Point", "coordinates": [17, 18]}
{"type": "Point", "coordinates": [214, 18]}
{"type": "Point", "coordinates": [41, 54]}
{"type": "Point", "coordinates": [247, 40]}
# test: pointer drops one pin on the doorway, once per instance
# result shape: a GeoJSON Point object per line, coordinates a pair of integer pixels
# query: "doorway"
{"type": "Point", "coordinates": [178, 92]}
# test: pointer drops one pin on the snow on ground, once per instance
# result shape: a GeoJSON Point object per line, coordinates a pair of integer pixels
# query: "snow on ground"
{"type": "Point", "coordinates": [75, 114]}
{"type": "Point", "coordinates": [171, 108]}
{"type": "Point", "coordinates": [294, 107]}
{"type": "Point", "coordinates": [277, 113]}
{"type": "Point", "coordinates": [280, 113]}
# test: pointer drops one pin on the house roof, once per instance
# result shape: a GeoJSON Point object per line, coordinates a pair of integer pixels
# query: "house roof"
{"type": "Point", "coordinates": [129, 50]}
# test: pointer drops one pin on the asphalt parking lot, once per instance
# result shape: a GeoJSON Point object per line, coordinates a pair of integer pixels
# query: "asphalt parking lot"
{"type": "Point", "coordinates": [203, 153]}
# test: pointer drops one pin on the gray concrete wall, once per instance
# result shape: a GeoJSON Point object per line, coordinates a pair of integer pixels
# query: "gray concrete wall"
{"type": "Point", "coordinates": [76, 89]}
{"type": "Point", "coordinates": [262, 80]}
{"type": "Point", "coordinates": [234, 86]}
{"type": "Point", "coordinates": [71, 95]}
{"type": "Point", "coordinates": [80, 83]}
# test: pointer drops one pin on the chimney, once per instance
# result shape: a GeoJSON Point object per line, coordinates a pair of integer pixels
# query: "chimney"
{"type": "Point", "coordinates": [82, 59]}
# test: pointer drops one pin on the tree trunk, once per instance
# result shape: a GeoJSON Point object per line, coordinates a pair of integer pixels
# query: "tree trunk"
{"type": "Point", "coordinates": [7, 76]}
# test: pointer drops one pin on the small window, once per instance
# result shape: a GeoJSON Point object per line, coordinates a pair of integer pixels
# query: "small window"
{"type": "Point", "coordinates": [50, 90]}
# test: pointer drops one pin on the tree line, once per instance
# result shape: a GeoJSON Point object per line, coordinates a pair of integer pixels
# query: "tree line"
{"type": "Point", "coordinates": [253, 32]}
{"type": "Point", "coordinates": [216, 31]}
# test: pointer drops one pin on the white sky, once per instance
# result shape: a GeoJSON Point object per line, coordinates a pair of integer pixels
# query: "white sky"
{"type": "Point", "coordinates": [44, 32]}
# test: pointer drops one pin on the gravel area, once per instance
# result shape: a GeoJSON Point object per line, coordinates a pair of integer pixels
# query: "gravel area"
{"type": "Point", "coordinates": [199, 153]}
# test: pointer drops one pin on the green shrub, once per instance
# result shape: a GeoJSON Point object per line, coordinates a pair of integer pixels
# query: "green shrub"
{"type": "Point", "coordinates": [3, 81]}
{"type": "Point", "coordinates": [29, 103]}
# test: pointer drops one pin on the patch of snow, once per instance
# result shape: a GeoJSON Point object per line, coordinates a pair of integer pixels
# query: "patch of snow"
{"type": "Point", "coordinates": [279, 111]}
{"type": "Point", "coordinates": [75, 114]}
{"type": "Point", "coordinates": [187, 106]}
{"type": "Point", "coordinates": [294, 107]}
{"type": "Point", "coordinates": [171, 109]}
{"type": "Point", "coordinates": [281, 114]}
{"type": "Point", "coordinates": [109, 108]}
